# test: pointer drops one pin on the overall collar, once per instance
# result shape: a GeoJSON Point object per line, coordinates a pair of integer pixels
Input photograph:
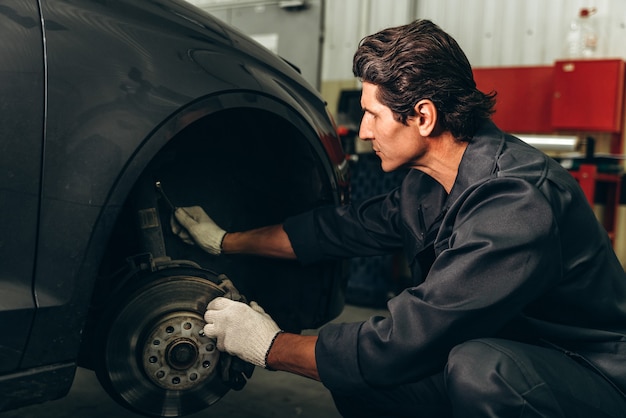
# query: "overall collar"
{"type": "Point", "coordinates": [479, 161]}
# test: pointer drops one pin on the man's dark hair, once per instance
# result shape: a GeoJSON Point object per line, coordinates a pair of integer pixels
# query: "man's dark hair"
{"type": "Point", "coordinates": [420, 61]}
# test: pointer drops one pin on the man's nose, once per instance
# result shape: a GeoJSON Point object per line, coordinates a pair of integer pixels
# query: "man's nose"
{"type": "Point", "coordinates": [364, 132]}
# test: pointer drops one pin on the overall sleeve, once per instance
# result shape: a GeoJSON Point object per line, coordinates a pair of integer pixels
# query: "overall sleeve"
{"type": "Point", "coordinates": [346, 231]}
{"type": "Point", "coordinates": [498, 250]}
{"type": "Point", "coordinates": [377, 226]}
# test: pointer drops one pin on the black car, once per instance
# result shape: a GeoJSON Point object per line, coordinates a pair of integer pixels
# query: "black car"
{"type": "Point", "coordinates": [112, 112]}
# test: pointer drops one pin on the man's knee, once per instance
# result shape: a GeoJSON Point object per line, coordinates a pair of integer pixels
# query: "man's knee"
{"type": "Point", "coordinates": [494, 377]}
{"type": "Point", "coordinates": [471, 370]}
{"type": "Point", "coordinates": [488, 375]}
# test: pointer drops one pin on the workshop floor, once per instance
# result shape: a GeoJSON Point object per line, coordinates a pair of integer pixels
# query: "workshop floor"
{"type": "Point", "coordinates": [267, 394]}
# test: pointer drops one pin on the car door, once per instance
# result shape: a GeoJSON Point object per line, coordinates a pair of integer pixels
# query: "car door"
{"type": "Point", "coordinates": [22, 84]}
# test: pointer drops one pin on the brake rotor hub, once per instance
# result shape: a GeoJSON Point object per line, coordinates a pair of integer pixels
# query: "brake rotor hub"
{"type": "Point", "coordinates": [176, 355]}
{"type": "Point", "coordinates": [181, 354]}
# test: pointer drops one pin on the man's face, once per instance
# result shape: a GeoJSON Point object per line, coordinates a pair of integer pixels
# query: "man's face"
{"type": "Point", "coordinates": [396, 145]}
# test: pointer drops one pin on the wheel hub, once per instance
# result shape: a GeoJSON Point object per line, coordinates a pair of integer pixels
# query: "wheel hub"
{"type": "Point", "coordinates": [176, 354]}
{"type": "Point", "coordinates": [181, 354]}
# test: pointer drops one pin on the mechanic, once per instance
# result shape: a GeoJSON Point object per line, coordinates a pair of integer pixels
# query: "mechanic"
{"type": "Point", "coordinates": [518, 306]}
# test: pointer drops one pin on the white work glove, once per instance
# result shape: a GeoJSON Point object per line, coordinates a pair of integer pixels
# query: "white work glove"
{"type": "Point", "coordinates": [193, 225]}
{"type": "Point", "coordinates": [243, 331]}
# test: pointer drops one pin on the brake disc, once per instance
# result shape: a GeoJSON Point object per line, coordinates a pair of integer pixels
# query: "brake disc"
{"type": "Point", "coordinates": [155, 358]}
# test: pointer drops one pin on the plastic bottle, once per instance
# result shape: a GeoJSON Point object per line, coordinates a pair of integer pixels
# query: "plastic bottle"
{"type": "Point", "coordinates": [582, 38]}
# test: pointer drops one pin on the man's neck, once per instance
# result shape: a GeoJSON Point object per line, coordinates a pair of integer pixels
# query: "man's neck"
{"type": "Point", "coordinates": [444, 157]}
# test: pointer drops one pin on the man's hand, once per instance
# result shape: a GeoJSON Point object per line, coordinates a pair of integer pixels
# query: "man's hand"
{"type": "Point", "coordinates": [193, 225]}
{"type": "Point", "coordinates": [243, 331]}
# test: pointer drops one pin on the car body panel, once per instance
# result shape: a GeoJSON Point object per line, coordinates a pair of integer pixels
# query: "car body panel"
{"type": "Point", "coordinates": [21, 141]}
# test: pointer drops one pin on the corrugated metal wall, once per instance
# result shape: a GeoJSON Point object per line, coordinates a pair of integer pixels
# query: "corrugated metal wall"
{"type": "Point", "coordinates": [491, 32]}
{"type": "Point", "coordinates": [524, 32]}
{"type": "Point", "coordinates": [347, 21]}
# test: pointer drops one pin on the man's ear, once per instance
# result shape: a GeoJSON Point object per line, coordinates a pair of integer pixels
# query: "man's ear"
{"type": "Point", "coordinates": [426, 117]}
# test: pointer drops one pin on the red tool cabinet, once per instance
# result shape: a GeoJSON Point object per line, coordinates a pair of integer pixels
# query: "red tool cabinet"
{"type": "Point", "coordinates": [578, 95]}
{"type": "Point", "coordinates": [524, 97]}
{"type": "Point", "coordinates": [588, 95]}
{"type": "Point", "coordinates": [569, 97]}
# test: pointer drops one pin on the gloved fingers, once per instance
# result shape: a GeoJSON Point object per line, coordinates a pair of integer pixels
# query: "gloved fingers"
{"type": "Point", "coordinates": [183, 217]}
{"type": "Point", "coordinates": [191, 213]}
{"type": "Point", "coordinates": [210, 331]}
{"type": "Point", "coordinates": [197, 213]}
{"type": "Point", "coordinates": [241, 330]}
{"type": "Point", "coordinates": [214, 328]}
{"type": "Point", "coordinates": [180, 232]}
{"type": "Point", "coordinates": [220, 315]}
{"type": "Point", "coordinates": [218, 307]}
{"type": "Point", "coordinates": [201, 229]}
{"type": "Point", "coordinates": [191, 216]}
{"type": "Point", "coordinates": [223, 312]}
{"type": "Point", "coordinates": [220, 303]}
{"type": "Point", "coordinates": [187, 239]}
{"type": "Point", "coordinates": [257, 307]}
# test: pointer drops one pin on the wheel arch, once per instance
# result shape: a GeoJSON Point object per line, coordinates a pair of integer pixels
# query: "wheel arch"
{"type": "Point", "coordinates": [194, 112]}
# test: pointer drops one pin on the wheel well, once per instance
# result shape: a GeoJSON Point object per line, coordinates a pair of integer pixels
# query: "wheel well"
{"type": "Point", "coordinates": [247, 168]}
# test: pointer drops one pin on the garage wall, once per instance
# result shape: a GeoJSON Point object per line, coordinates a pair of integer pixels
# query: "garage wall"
{"type": "Point", "coordinates": [491, 32]}
{"type": "Point", "coordinates": [524, 32]}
